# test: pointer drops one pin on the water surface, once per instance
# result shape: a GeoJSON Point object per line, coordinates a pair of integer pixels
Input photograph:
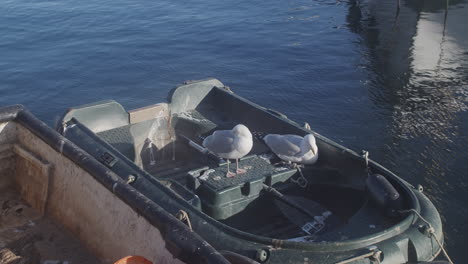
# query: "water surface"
{"type": "Point", "coordinates": [359, 72]}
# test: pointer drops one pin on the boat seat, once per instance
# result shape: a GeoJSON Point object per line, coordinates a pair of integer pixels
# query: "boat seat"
{"type": "Point", "coordinates": [193, 123]}
{"type": "Point", "coordinates": [121, 139]}
{"type": "Point", "coordinates": [109, 120]}
{"type": "Point", "coordinates": [99, 116]}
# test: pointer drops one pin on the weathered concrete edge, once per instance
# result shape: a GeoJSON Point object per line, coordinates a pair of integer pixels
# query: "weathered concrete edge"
{"type": "Point", "coordinates": [182, 242]}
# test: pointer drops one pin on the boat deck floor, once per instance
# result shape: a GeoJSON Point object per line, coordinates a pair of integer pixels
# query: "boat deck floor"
{"type": "Point", "coordinates": [28, 237]}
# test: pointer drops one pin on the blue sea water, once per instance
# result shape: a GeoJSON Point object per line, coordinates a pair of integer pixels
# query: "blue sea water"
{"type": "Point", "coordinates": [361, 73]}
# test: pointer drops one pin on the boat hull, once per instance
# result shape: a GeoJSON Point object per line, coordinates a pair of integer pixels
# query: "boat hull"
{"type": "Point", "coordinates": [198, 108]}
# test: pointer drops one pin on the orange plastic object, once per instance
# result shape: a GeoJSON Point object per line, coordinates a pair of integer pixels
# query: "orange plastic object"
{"type": "Point", "coordinates": [133, 260]}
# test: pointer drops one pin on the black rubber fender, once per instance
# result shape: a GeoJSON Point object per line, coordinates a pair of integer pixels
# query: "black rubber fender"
{"type": "Point", "coordinates": [382, 193]}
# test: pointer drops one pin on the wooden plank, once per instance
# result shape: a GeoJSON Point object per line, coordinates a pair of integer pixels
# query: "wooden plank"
{"type": "Point", "coordinates": [6, 148]}
{"type": "Point", "coordinates": [6, 165]}
{"type": "Point", "coordinates": [148, 112]}
{"type": "Point", "coordinates": [32, 175]}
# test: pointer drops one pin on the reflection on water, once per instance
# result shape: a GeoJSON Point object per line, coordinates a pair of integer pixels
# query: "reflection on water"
{"type": "Point", "coordinates": [419, 57]}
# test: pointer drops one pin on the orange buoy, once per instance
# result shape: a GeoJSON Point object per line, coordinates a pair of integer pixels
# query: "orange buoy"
{"type": "Point", "coordinates": [133, 260]}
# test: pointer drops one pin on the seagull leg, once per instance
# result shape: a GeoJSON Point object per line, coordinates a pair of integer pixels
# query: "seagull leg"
{"type": "Point", "coordinates": [239, 171]}
{"type": "Point", "coordinates": [229, 174]}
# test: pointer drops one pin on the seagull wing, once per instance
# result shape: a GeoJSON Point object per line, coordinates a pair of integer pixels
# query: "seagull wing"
{"type": "Point", "coordinates": [220, 142]}
{"type": "Point", "coordinates": [284, 145]}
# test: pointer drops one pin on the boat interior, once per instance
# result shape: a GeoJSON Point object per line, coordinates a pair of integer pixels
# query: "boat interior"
{"type": "Point", "coordinates": [331, 200]}
{"type": "Point", "coordinates": [28, 237]}
{"type": "Point", "coordinates": [28, 233]}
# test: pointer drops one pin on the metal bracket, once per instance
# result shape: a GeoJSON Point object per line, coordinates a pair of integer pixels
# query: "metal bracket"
{"type": "Point", "coordinates": [365, 155]}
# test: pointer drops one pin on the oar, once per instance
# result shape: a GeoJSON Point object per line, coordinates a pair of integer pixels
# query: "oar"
{"type": "Point", "coordinates": [309, 215]}
{"type": "Point", "coordinates": [287, 200]}
{"type": "Point", "coordinates": [200, 149]}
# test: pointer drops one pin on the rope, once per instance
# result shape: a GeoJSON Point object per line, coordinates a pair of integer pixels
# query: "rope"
{"type": "Point", "coordinates": [431, 231]}
{"type": "Point", "coordinates": [301, 180]}
{"type": "Point", "coordinates": [184, 217]}
{"type": "Point", "coordinates": [131, 179]}
{"type": "Point", "coordinates": [374, 255]}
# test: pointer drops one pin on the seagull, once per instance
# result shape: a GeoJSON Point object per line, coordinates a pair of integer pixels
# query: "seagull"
{"type": "Point", "coordinates": [230, 144]}
{"type": "Point", "coordinates": [293, 148]}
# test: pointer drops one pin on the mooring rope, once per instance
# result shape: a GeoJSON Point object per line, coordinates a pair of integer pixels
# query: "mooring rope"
{"type": "Point", "coordinates": [301, 181]}
{"type": "Point", "coordinates": [431, 231]}
{"type": "Point", "coordinates": [374, 255]}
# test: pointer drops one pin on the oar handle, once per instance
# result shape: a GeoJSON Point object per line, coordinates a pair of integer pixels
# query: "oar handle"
{"type": "Point", "coordinates": [200, 148]}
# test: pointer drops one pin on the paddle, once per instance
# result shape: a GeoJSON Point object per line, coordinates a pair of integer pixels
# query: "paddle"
{"type": "Point", "coordinates": [309, 215]}
{"type": "Point", "coordinates": [200, 148]}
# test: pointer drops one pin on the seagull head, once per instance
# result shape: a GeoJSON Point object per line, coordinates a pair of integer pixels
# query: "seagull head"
{"type": "Point", "coordinates": [241, 131]}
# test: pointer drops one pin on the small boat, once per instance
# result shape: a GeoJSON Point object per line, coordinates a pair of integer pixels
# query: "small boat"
{"type": "Point", "coordinates": [345, 208]}
{"type": "Point", "coordinates": [59, 205]}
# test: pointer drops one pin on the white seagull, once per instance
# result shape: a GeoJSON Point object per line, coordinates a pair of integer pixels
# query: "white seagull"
{"type": "Point", "coordinates": [230, 144]}
{"type": "Point", "coordinates": [293, 148]}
